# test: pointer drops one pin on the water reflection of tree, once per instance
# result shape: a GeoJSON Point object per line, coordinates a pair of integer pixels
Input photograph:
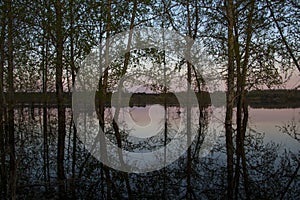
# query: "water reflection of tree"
{"type": "Point", "coordinates": [291, 128]}
{"type": "Point", "coordinates": [268, 171]}
{"type": "Point", "coordinates": [272, 175]}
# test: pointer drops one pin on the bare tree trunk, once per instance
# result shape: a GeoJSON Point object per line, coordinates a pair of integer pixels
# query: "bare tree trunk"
{"type": "Point", "coordinates": [189, 192]}
{"type": "Point", "coordinates": [238, 117]}
{"type": "Point", "coordinates": [189, 151]}
{"type": "Point", "coordinates": [242, 98]}
{"type": "Point", "coordinates": [242, 110]}
{"type": "Point", "coordinates": [230, 100]}
{"type": "Point", "coordinates": [100, 105]}
{"type": "Point", "coordinates": [45, 50]}
{"type": "Point", "coordinates": [102, 100]}
{"type": "Point", "coordinates": [115, 120]}
{"type": "Point", "coordinates": [192, 34]}
{"type": "Point", "coordinates": [189, 189]}
{"type": "Point", "coordinates": [12, 179]}
{"type": "Point", "coordinates": [239, 108]}
{"type": "Point", "coordinates": [243, 154]}
{"type": "Point", "coordinates": [3, 185]}
{"type": "Point", "coordinates": [165, 119]}
{"type": "Point", "coordinates": [59, 92]}
{"type": "Point", "coordinates": [73, 69]}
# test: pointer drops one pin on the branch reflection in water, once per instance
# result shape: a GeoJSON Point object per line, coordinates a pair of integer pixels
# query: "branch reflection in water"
{"type": "Point", "coordinates": [272, 156]}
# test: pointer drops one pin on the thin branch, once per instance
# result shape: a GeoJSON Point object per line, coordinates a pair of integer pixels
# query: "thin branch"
{"type": "Point", "coordinates": [282, 37]}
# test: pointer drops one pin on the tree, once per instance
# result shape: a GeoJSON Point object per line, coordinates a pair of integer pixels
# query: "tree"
{"type": "Point", "coordinates": [2, 103]}
{"type": "Point", "coordinates": [116, 116]}
{"type": "Point", "coordinates": [103, 94]}
{"type": "Point", "coordinates": [241, 120]}
{"type": "Point", "coordinates": [45, 11]}
{"type": "Point", "coordinates": [10, 78]}
{"type": "Point", "coordinates": [230, 98]}
{"type": "Point", "coordinates": [59, 91]}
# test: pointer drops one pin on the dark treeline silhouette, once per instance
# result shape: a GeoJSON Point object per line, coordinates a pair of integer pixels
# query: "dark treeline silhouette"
{"type": "Point", "coordinates": [255, 98]}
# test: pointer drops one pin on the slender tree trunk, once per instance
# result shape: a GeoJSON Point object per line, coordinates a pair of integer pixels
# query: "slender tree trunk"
{"type": "Point", "coordinates": [100, 113]}
{"type": "Point", "coordinates": [3, 185]}
{"type": "Point", "coordinates": [189, 189]}
{"type": "Point", "coordinates": [192, 35]}
{"type": "Point", "coordinates": [45, 116]}
{"type": "Point", "coordinates": [230, 100]}
{"type": "Point", "coordinates": [116, 116]}
{"type": "Point", "coordinates": [243, 154]}
{"type": "Point", "coordinates": [242, 98]}
{"type": "Point", "coordinates": [189, 151]}
{"type": "Point", "coordinates": [12, 179]}
{"type": "Point", "coordinates": [242, 110]}
{"type": "Point", "coordinates": [239, 107]}
{"type": "Point", "coordinates": [59, 92]}
{"type": "Point", "coordinates": [165, 118]}
{"type": "Point", "coordinates": [73, 69]}
{"type": "Point", "coordinates": [189, 140]}
{"type": "Point", "coordinates": [101, 108]}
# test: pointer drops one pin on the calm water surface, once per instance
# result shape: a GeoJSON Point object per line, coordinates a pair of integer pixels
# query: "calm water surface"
{"type": "Point", "coordinates": [271, 154]}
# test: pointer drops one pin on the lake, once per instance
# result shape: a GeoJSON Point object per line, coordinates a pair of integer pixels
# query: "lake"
{"type": "Point", "coordinates": [172, 172]}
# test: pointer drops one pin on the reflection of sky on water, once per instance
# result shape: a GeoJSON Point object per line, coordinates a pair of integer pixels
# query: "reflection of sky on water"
{"type": "Point", "coordinates": [148, 121]}
{"type": "Point", "coordinates": [143, 121]}
{"type": "Point", "coordinates": [268, 121]}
